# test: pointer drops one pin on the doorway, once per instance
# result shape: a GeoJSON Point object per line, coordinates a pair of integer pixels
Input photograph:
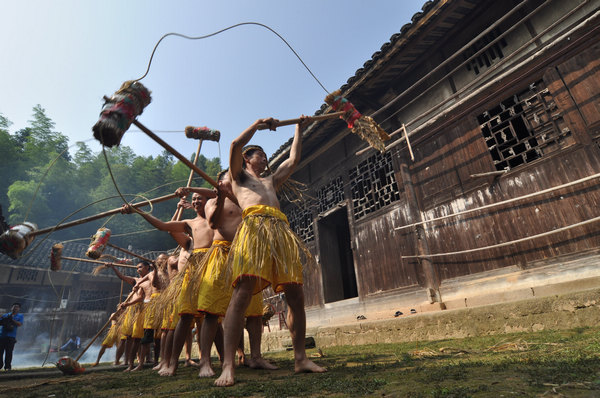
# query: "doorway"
{"type": "Point", "coordinates": [337, 263]}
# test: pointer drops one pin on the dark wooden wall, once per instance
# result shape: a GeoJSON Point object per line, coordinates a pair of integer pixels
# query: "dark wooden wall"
{"type": "Point", "coordinates": [438, 182]}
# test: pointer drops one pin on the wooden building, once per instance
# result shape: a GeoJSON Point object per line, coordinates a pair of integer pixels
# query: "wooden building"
{"type": "Point", "coordinates": [56, 304]}
{"type": "Point", "coordinates": [491, 177]}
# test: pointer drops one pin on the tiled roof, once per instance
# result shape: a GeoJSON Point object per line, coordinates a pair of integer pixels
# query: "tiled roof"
{"type": "Point", "coordinates": [369, 63]}
{"type": "Point", "coordinates": [37, 255]}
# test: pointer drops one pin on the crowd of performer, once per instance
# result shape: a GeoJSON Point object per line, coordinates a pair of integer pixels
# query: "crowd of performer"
{"type": "Point", "coordinates": [238, 244]}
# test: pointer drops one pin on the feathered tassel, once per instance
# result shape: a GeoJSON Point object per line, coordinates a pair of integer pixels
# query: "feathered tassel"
{"type": "Point", "coordinates": [363, 126]}
{"type": "Point", "coordinates": [202, 133]}
{"type": "Point", "coordinates": [119, 112]}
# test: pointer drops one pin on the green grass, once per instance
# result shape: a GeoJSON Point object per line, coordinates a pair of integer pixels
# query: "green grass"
{"type": "Point", "coordinates": [513, 365]}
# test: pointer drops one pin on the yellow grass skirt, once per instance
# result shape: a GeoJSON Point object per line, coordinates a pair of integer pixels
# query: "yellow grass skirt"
{"type": "Point", "coordinates": [265, 247]}
{"type": "Point", "coordinates": [150, 314]}
{"type": "Point", "coordinates": [167, 302]}
{"type": "Point", "coordinates": [138, 324]}
{"type": "Point", "coordinates": [127, 318]}
{"type": "Point", "coordinates": [187, 302]}
{"type": "Point", "coordinates": [111, 336]}
{"type": "Point", "coordinates": [215, 291]}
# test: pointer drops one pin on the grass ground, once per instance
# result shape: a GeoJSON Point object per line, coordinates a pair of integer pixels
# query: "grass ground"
{"type": "Point", "coordinates": [549, 364]}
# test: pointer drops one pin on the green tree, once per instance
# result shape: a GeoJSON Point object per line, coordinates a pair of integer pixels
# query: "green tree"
{"type": "Point", "coordinates": [11, 166]}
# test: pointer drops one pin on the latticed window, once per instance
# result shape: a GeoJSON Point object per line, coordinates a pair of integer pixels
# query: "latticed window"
{"type": "Point", "coordinates": [92, 300]}
{"type": "Point", "coordinates": [524, 127]}
{"type": "Point", "coordinates": [330, 195]}
{"type": "Point", "coordinates": [301, 222]}
{"type": "Point", "coordinates": [373, 184]}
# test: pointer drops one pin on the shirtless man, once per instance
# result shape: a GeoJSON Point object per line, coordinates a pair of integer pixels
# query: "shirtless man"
{"type": "Point", "coordinates": [265, 250]}
{"type": "Point", "coordinates": [202, 236]}
{"type": "Point", "coordinates": [143, 291]}
{"type": "Point", "coordinates": [166, 341]}
{"type": "Point", "coordinates": [110, 340]}
{"type": "Point", "coordinates": [215, 292]}
{"type": "Point", "coordinates": [158, 280]}
{"type": "Point", "coordinates": [184, 241]}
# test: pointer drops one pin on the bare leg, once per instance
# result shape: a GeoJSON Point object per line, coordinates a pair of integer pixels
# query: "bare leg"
{"type": "Point", "coordinates": [219, 342]}
{"type": "Point", "coordinates": [179, 337]}
{"type": "Point", "coordinates": [102, 349]}
{"type": "Point", "coordinates": [188, 349]}
{"type": "Point", "coordinates": [209, 329]}
{"type": "Point", "coordinates": [233, 326]}
{"type": "Point", "coordinates": [164, 371]}
{"type": "Point", "coordinates": [296, 321]}
{"type": "Point", "coordinates": [120, 351]}
{"type": "Point", "coordinates": [142, 355]}
{"type": "Point", "coordinates": [135, 352]}
{"type": "Point", "coordinates": [254, 327]}
{"type": "Point", "coordinates": [163, 344]}
{"type": "Point", "coordinates": [156, 351]}
{"type": "Point", "coordinates": [240, 352]}
{"type": "Point", "coordinates": [198, 322]}
{"type": "Point", "coordinates": [129, 354]}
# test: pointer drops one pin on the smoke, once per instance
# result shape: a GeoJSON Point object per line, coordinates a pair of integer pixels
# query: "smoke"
{"type": "Point", "coordinates": [33, 357]}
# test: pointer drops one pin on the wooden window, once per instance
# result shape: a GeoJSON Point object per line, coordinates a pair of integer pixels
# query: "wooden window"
{"type": "Point", "coordinates": [330, 195]}
{"type": "Point", "coordinates": [524, 127]}
{"type": "Point", "coordinates": [373, 185]}
{"type": "Point", "coordinates": [301, 222]}
{"type": "Point", "coordinates": [489, 56]}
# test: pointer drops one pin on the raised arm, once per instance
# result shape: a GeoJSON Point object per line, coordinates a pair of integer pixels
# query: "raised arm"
{"type": "Point", "coordinates": [235, 150]}
{"type": "Point", "coordinates": [286, 168]}
{"type": "Point", "coordinates": [214, 207]}
{"type": "Point", "coordinates": [206, 192]}
{"type": "Point", "coordinates": [124, 278]}
{"type": "Point", "coordinates": [182, 238]}
{"type": "Point", "coordinates": [169, 226]}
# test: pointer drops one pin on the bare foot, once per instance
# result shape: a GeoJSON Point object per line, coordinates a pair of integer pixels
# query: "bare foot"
{"type": "Point", "coordinates": [167, 372]}
{"type": "Point", "coordinates": [139, 367]}
{"type": "Point", "coordinates": [189, 362]}
{"type": "Point", "coordinates": [117, 363]}
{"type": "Point", "coordinates": [128, 369]}
{"type": "Point", "coordinates": [205, 369]}
{"type": "Point", "coordinates": [226, 378]}
{"type": "Point", "coordinates": [261, 363]}
{"type": "Point", "coordinates": [308, 366]}
{"type": "Point", "coordinates": [158, 366]}
{"type": "Point", "coordinates": [94, 364]}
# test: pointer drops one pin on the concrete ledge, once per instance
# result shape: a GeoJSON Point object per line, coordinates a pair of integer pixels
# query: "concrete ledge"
{"type": "Point", "coordinates": [567, 311]}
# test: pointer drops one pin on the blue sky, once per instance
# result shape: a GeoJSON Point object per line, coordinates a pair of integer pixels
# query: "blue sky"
{"type": "Point", "coordinates": [66, 54]}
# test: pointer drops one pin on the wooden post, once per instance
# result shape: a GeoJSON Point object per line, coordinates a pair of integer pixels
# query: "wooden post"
{"type": "Point", "coordinates": [432, 280]}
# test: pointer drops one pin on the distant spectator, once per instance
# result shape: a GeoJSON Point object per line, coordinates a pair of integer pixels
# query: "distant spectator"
{"type": "Point", "coordinates": [9, 322]}
{"type": "Point", "coordinates": [73, 344]}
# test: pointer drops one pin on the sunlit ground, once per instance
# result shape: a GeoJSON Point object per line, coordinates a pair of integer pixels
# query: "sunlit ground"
{"type": "Point", "coordinates": [550, 364]}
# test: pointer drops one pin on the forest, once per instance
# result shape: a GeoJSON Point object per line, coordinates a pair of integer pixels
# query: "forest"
{"type": "Point", "coordinates": [46, 180]}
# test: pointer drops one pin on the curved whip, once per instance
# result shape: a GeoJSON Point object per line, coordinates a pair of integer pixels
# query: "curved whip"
{"type": "Point", "coordinates": [223, 30]}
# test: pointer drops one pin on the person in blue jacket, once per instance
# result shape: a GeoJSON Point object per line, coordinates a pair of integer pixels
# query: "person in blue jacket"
{"type": "Point", "coordinates": [10, 322]}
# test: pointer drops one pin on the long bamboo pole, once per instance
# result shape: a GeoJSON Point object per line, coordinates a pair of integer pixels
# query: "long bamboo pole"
{"type": "Point", "coordinates": [179, 156]}
{"type": "Point", "coordinates": [179, 211]}
{"type": "Point", "coordinates": [129, 252]}
{"type": "Point", "coordinates": [100, 331]}
{"type": "Point", "coordinates": [100, 215]}
{"type": "Point", "coordinates": [87, 260]}
{"type": "Point", "coordinates": [264, 126]}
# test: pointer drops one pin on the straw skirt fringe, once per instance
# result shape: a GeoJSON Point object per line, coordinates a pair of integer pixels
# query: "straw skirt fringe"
{"type": "Point", "coordinates": [265, 247]}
